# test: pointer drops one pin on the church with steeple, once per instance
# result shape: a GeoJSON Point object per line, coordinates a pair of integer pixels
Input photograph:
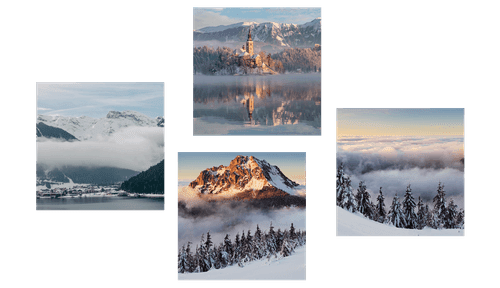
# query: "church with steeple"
{"type": "Point", "coordinates": [247, 52]}
{"type": "Point", "coordinates": [250, 42]}
{"type": "Point", "coordinates": [248, 58]}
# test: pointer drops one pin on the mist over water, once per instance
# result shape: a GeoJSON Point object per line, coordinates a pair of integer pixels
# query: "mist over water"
{"type": "Point", "coordinates": [258, 100]}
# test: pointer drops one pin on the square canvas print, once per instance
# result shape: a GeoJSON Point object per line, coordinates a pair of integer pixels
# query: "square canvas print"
{"type": "Point", "coordinates": [400, 172]}
{"type": "Point", "coordinates": [257, 71]}
{"type": "Point", "coordinates": [242, 216]}
{"type": "Point", "coordinates": [99, 146]}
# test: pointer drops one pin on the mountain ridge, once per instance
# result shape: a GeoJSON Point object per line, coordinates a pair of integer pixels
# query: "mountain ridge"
{"type": "Point", "coordinates": [86, 128]}
{"type": "Point", "coordinates": [246, 177]}
{"type": "Point", "coordinates": [280, 34]}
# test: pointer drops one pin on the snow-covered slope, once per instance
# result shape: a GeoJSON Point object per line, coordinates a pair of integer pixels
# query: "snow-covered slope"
{"type": "Point", "coordinates": [314, 24]}
{"type": "Point", "coordinates": [292, 267]}
{"type": "Point", "coordinates": [280, 34]}
{"type": "Point", "coordinates": [354, 224]}
{"type": "Point", "coordinates": [244, 173]}
{"type": "Point", "coordinates": [46, 131]}
{"type": "Point", "coordinates": [85, 128]}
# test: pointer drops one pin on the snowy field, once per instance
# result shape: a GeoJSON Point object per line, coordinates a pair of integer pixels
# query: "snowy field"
{"type": "Point", "coordinates": [351, 224]}
{"type": "Point", "coordinates": [289, 268]}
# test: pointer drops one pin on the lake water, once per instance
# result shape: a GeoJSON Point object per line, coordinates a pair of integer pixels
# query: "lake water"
{"type": "Point", "coordinates": [287, 104]}
{"type": "Point", "coordinates": [100, 203]}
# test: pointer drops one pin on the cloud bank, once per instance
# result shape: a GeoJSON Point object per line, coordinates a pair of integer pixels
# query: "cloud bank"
{"type": "Point", "coordinates": [394, 162]}
{"type": "Point", "coordinates": [135, 148]}
{"type": "Point", "coordinates": [197, 216]}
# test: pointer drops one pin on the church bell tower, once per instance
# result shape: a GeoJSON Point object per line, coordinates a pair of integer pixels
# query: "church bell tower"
{"type": "Point", "coordinates": [250, 42]}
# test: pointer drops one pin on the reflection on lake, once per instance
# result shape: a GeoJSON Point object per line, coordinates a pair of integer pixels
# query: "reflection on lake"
{"type": "Point", "coordinates": [257, 105]}
{"type": "Point", "coordinates": [100, 203]}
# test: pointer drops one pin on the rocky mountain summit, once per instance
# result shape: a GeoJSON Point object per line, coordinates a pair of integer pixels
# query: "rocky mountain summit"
{"type": "Point", "coordinates": [247, 177]}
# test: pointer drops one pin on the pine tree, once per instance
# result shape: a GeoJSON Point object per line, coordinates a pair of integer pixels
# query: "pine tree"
{"type": "Point", "coordinates": [279, 239]}
{"type": "Point", "coordinates": [189, 258]}
{"type": "Point", "coordinates": [436, 222]}
{"type": "Point", "coordinates": [271, 241]}
{"type": "Point", "coordinates": [182, 266]}
{"type": "Point", "coordinates": [243, 243]}
{"type": "Point", "coordinates": [380, 208]}
{"type": "Point", "coordinates": [440, 205]}
{"type": "Point", "coordinates": [197, 260]}
{"type": "Point", "coordinates": [396, 216]}
{"type": "Point", "coordinates": [237, 249]}
{"type": "Point", "coordinates": [348, 200]}
{"type": "Point", "coordinates": [248, 249]}
{"type": "Point", "coordinates": [292, 231]}
{"type": "Point", "coordinates": [259, 249]}
{"type": "Point", "coordinates": [203, 255]}
{"type": "Point", "coordinates": [286, 248]}
{"type": "Point", "coordinates": [451, 215]}
{"type": "Point", "coordinates": [218, 256]}
{"type": "Point", "coordinates": [293, 235]}
{"type": "Point", "coordinates": [460, 219]}
{"type": "Point", "coordinates": [409, 209]}
{"type": "Point", "coordinates": [340, 184]}
{"type": "Point", "coordinates": [229, 251]}
{"type": "Point", "coordinates": [429, 220]}
{"type": "Point", "coordinates": [210, 255]}
{"type": "Point", "coordinates": [421, 214]}
{"type": "Point", "coordinates": [363, 201]}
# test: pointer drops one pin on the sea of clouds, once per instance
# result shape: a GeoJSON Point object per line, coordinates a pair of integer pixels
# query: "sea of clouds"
{"type": "Point", "coordinates": [394, 162]}
{"type": "Point", "coordinates": [135, 148]}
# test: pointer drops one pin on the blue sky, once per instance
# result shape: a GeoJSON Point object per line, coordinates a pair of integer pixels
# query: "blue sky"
{"type": "Point", "coordinates": [97, 99]}
{"type": "Point", "coordinates": [293, 165]}
{"type": "Point", "coordinates": [398, 122]}
{"type": "Point", "coordinates": [205, 17]}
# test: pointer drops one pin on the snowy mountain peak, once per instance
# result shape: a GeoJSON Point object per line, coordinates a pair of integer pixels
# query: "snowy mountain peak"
{"type": "Point", "coordinates": [244, 173]}
{"type": "Point", "coordinates": [86, 128]}
{"type": "Point", "coordinates": [126, 114]}
{"type": "Point", "coordinates": [315, 24]}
